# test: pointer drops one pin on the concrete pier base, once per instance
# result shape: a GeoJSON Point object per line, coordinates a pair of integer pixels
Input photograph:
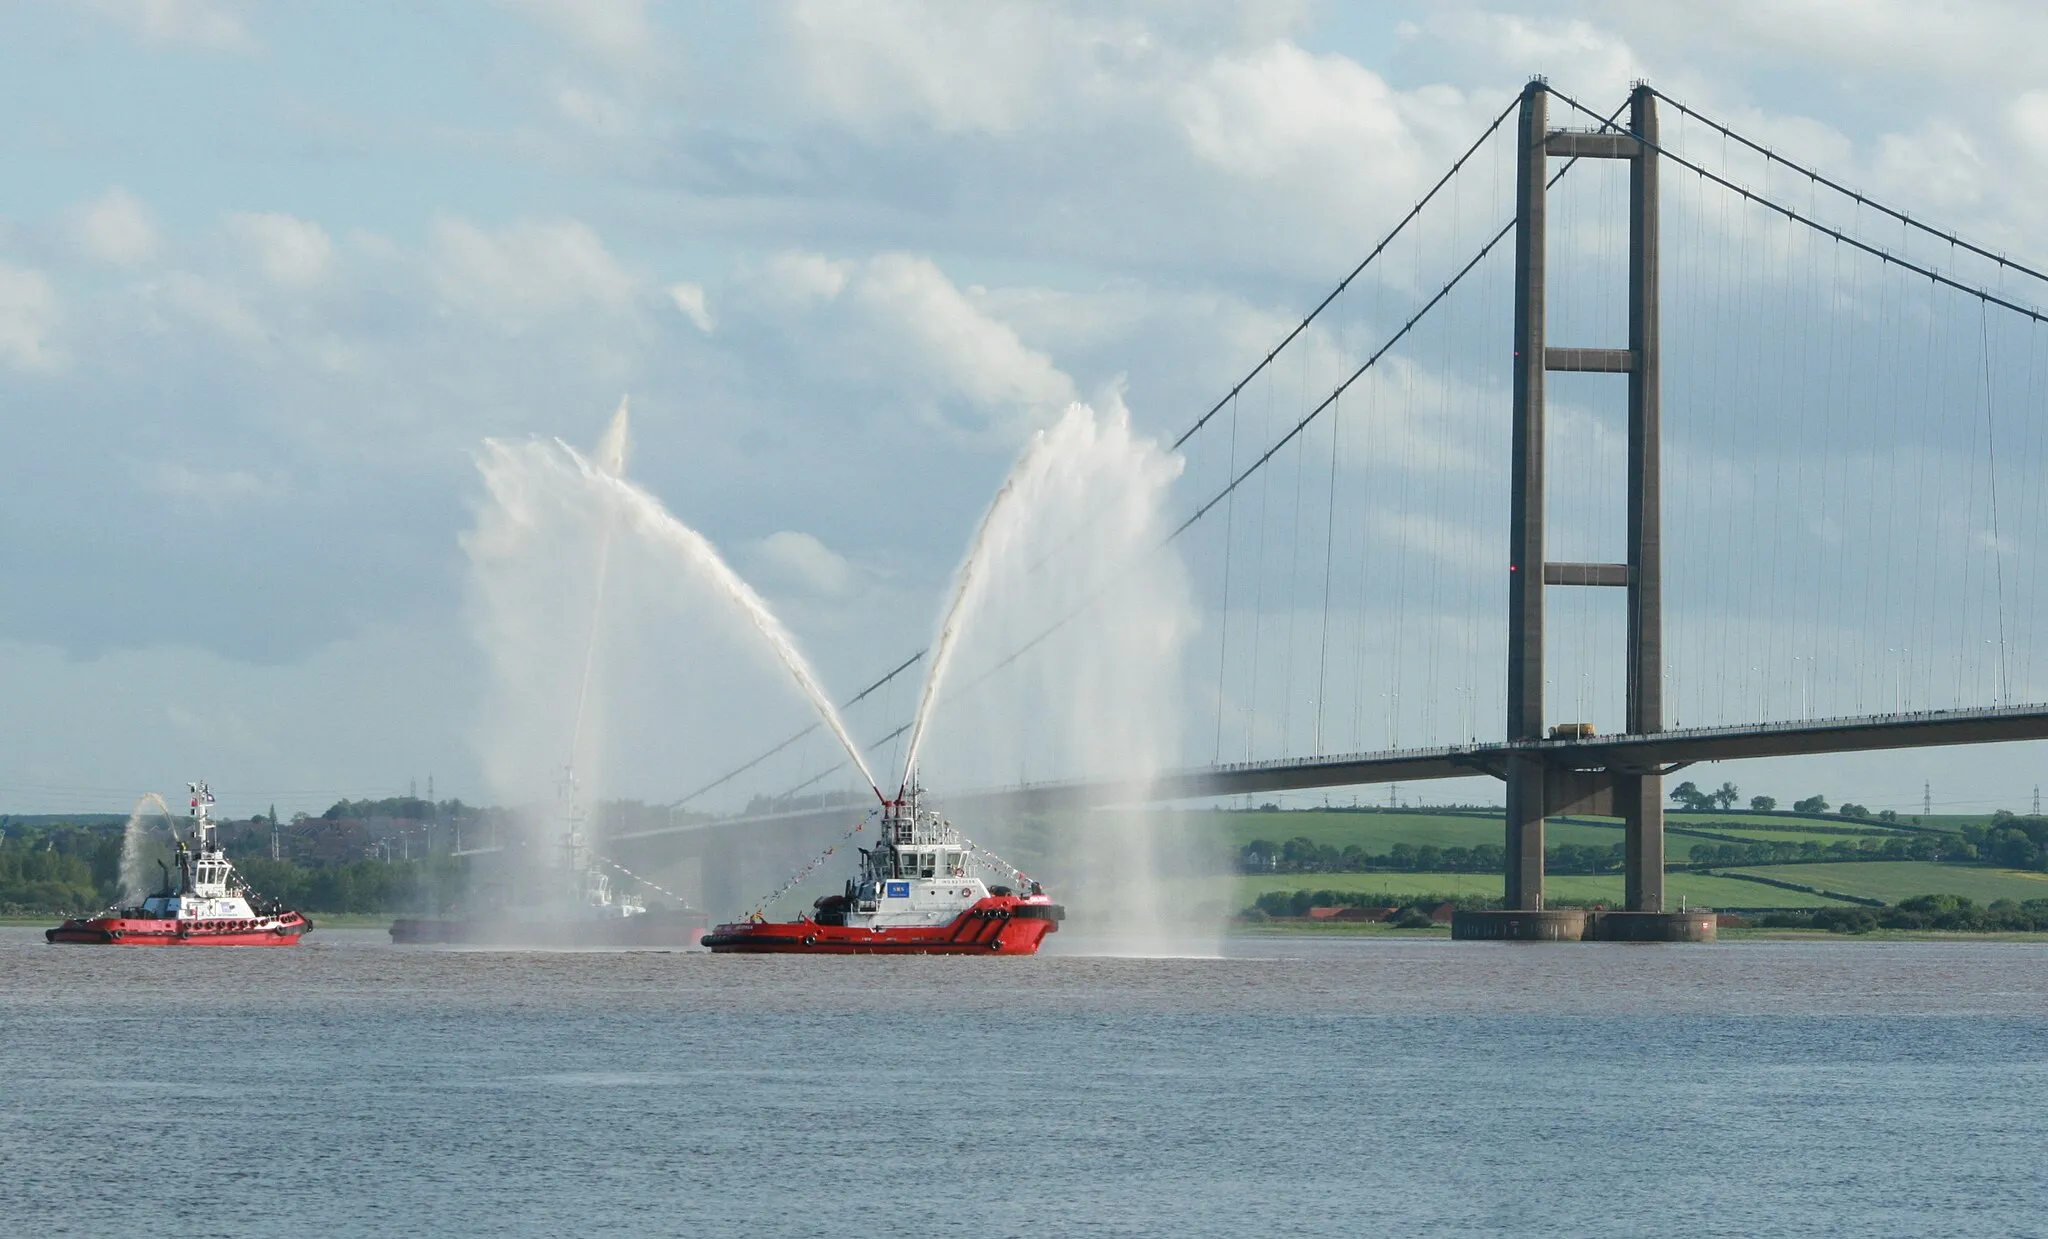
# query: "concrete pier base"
{"type": "Point", "coordinates": [1513, 925]}
{"type": "Point", "coordinates": [1582, 925]}
{"type": "Point", "coordinates": [1652, 927]}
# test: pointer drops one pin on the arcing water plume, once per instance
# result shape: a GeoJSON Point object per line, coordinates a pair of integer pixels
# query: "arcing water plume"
{"type": "Point", "coordinates": [134, 841]}
{"type": "Point", "coordinates": [703, 558]}
{"type": "Point", "coordinates": [611, 458]}
{"type": "Point", "coordinates": [965, 594]}
{"type": "Point", "coordinates": [1069, 557]}
{"type": "Point", "coordinates": [676, 650]}
{"type": "Point", "coordinates": [613, 448]}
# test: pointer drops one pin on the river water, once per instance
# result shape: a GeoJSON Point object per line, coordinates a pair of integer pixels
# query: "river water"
{"type": "Point", "coordinates": [1302, 1087]}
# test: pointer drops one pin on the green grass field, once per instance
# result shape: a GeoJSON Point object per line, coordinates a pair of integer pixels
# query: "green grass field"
{"type": "Point", "coordinates": [1678, 848]}
{"type": "Point", "coordinates": [1378, 832]}
{"type": "Point", "coordinates": [1890, 881]}
{"type": "Point", "coordinates": [1819, 822]}
{"type": "Point", "coordinates": [1699, 889]}
{"type": "Point", "coordinates": [1894, 880]}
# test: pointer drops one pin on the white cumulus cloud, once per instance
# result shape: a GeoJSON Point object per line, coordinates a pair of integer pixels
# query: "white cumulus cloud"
{"type": "Point", "coordinates": [210, 24]}
{"type": "Point", "coordinates": [525, 273]}
{"type": "Point", "coordinates": [801, 559]}
{"type": "Point", "coordinates": [956, 67]}
{"type": "Point", "coordinates": [1281, 107]}
{"type": "Point", "coordinates": [28, 313]}
{"type": "Point", "coordinates": [979, 355]}
{"type": "Point", "coordinates": [288, 250]}
{"type": "Point", "coordinates": [617, 32]}
{"type": "Point", "coordinates": [215, 490]}
{"type": "Point", "coordinates": [689, 298]}
{"type": "Point", "coordinates": [115, 229]}
{"type": "Point", "coordinates": [806, 277]}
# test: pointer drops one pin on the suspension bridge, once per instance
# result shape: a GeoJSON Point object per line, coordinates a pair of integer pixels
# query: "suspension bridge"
{"type": "Point", "coordinates": [1818, 558]}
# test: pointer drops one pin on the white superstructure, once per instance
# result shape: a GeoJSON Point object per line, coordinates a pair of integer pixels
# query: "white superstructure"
{"type": "Point", "coordinates": [920, 873]}
{"type": "Point", "coordinates": [207, 888]}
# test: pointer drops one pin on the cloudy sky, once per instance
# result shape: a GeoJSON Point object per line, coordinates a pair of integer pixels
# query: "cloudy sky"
{"type": "Point", "coordinates": [269, 275]}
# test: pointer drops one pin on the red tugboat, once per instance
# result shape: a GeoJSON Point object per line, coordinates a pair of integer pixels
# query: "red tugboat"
{"type": "Point", "coordinates": [917, 894]}
{"type": "Point", "coordinates": [209, 905]}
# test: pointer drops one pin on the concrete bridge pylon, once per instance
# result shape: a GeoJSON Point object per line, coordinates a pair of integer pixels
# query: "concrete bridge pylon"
{"type": "Point", "coordinates": [1538, 785]}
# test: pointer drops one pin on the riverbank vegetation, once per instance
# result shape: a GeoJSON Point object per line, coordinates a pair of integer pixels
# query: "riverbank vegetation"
{"type": "Point", "coordinates": [68, 868]}
{"type": "Point", "coordinates": [1923, 913]}
{"type": "Point", "coordinates": [1941, 913]}
{"type": "Point", "coordinates": [1761, 857]}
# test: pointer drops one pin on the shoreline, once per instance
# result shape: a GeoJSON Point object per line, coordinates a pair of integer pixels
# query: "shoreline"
{"type": "Point", "coordinates": [321, 920]}
{"type": "Point", "coordinates": [1328, 929]}
{"type": "Point", "coordinates": [1751, 933]}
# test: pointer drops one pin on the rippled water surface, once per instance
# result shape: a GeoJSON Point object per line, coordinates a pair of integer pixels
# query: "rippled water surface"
{"type": "Point", "coordinates": [346, 1087]}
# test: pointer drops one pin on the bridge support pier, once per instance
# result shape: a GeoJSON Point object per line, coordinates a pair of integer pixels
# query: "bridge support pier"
{"type": "Point", "coordinates": [1582, 925]}
{"type": "Point", "coordinates": [1534, 791]}
{"type": "Point", "coordinates": [1640, 800]}
{"type": "Point", "coordinates": [1526, 810]}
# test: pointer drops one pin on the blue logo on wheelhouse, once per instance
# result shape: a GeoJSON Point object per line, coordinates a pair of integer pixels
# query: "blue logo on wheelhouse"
{"type": "Point", "coordinates": [898, 890]}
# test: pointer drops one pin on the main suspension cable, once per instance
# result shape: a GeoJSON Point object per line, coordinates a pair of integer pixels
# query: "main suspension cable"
{"type": "Point", "coordinates": [1875, 251]}
{"type": "Point", "coordinates": [1855, 195]}
{"type": "Point", "coordinates": [1344, 283]}
{"type": "Point", "coordinates": [730, 775]}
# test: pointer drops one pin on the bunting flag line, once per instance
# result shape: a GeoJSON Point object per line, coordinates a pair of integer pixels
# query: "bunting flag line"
{"type": "Point", "coordinates": [761, 907]}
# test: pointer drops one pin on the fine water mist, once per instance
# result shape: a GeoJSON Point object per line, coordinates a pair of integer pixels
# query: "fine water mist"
{"type": "Point", "coordinates": [1068, 561]}
{"type": "Point", "coordinates": [143, 824]}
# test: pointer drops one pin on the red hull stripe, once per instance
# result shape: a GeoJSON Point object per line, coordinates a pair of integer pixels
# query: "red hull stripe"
{"type": "Point", "coordinates": [981, 930]}
{"type": "Point", "coordinates": [121, 931]}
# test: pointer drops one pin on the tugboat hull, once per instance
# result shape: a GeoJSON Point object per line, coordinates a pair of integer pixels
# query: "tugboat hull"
{"type": "Point", "coordinates": [151, 931]}
{"type": "Point", "coordinates": [995, 926]}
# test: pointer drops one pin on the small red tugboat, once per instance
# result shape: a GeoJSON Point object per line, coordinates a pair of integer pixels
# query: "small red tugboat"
{"type": "Point", "coordinates": [209, 906]}
{"type": "Point", "coordinates": [917, 894]}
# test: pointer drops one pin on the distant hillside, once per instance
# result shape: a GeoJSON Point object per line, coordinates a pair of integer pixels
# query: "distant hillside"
{"type": "Point", "coordinates": [95, 820]}
{"type": "Point", "coordinates": [1732, 859]}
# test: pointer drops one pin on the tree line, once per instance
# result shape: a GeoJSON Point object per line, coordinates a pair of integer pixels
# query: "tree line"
{"type": "Point", "coordinates": [359, 886]}
{"type": "Point", "coordinates": [65, 869]}
{"type": "Point", "coordinates": [1303, 855]}
{"type": "Point", "coordinates": [1946, 913]}
{"type": "Point", "coordinates": [1691, 798]}
{"type": "Point", "coordinates": [1952, 913]}
{"type": "Point", "coordinates": [2011, 841]}
{"type": "Point", "coordinates": [49, 870]}
{"type": "Point", "coordinates": [2008, 842]}
{"type": "Point", "coordinates": [1297, 903]}
{"type": "Point", "coordinates": [1952, 848]}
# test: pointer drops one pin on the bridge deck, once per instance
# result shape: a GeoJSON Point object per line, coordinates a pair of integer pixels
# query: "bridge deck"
{"type": "Point", "coordinates": [1656, 751]}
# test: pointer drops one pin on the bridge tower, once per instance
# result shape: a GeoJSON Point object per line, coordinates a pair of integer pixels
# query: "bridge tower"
{"type": "Point", "coordinates": [1539, 785]}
